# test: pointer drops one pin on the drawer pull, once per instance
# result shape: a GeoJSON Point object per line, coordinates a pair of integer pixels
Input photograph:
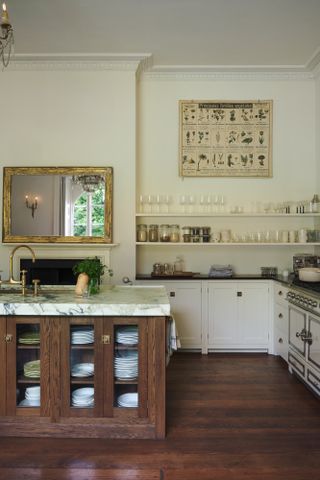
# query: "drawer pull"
{"type": "Point", "coordinates": [280, 315]}
{"type": "Point", "coordinates": [239, 294]}
{"type": "Point", "coordinates": [280, 340]}
{"type": "Point", "coordinates": [280, 293]}
{"type": "Point", "coordinates": [172, 294]}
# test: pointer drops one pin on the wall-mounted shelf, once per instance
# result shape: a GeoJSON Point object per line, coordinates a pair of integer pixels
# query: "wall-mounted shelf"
{"type": "Point", "coordinates": [234, 215]}
{"type": "Point", "coordinates": [226, 244]}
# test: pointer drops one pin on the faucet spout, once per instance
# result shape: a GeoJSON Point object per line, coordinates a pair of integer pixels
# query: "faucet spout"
{"type": "Point", "coordinates": [11, 279]}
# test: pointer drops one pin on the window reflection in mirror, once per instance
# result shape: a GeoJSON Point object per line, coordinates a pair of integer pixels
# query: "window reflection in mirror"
{"type": "Point", "coordinates": [57, 204]}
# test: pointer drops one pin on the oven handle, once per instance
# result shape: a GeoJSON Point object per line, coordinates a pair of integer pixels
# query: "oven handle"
{"type": "Point", "coordinates": [305, 336]}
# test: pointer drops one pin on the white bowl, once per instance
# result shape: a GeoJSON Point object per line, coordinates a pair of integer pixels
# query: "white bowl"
{"type": "Point", "coordinates": [309, 274]}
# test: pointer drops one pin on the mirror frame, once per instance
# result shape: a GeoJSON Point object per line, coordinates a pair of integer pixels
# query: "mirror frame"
{"type": "Point", "coordinates": [8, 172]}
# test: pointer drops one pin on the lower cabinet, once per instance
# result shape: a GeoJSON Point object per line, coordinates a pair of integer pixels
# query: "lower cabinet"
{"type": "Point", "coordinates": [238, 315]}
{"type": "Point", "coordinates": [83, 376]}
{"type": "Point", "coordinates": [185, 298]}
{"type": "Point", "coordinates": [185, 301]}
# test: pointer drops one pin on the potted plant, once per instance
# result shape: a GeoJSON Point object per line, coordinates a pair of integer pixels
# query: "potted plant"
{"type": "Point", "coordinates": [89, 272]}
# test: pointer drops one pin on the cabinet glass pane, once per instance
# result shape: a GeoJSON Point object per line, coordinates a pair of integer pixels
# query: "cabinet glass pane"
{"type": "Point", "coordinates": [82, 365]}
{"type": "Point", "coordinates": [28, 365]}
{"type": "Point", "coordinates": [126, 366]}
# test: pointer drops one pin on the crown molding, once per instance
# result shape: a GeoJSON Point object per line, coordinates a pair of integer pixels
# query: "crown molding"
{"type": "Point", "coordinates": [117, 62]}
{"type": "Point", "coordinates": [229, 72]}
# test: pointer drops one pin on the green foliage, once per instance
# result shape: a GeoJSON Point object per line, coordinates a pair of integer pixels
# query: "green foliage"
{"type": "Point", "coordinates": [80, 214]}
{"type": "Point", "coordinates": [93, 267]}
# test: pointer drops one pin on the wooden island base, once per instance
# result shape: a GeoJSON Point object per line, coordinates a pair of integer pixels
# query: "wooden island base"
{"type": "Point", "coordinates": [56, 417]}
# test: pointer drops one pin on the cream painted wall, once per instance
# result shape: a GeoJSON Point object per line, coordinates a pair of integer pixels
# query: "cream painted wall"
{"type": "Point", "coordinates": [317, 129]}
{"type": "Point", "coordinates": [75, 118]}
{"type": "Point", "coordinates": [294, 163]}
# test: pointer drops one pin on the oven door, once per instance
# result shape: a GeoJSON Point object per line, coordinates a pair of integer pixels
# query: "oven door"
{"type": "Point", "coordinates": [314, 346]}
{"type": "Point", "coordinates": [297, 328]}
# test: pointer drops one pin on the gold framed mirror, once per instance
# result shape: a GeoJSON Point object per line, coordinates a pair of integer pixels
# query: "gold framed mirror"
{"type": "Point", "coordinates": [57, 204]}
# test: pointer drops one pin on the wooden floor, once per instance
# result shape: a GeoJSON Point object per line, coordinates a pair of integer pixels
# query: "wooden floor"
{"type": "Point", "coordinates": [235, 416]}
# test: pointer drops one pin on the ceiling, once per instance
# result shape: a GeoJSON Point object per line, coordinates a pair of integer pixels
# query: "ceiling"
{"type": "Point", "coordinates": [175, 32]}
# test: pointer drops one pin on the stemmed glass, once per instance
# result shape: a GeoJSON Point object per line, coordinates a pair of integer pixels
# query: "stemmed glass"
{"type": "Point", "coordinates": [191, 200]}
{"type": "Point", "coordinates": [142, 203]}
{"type": "Point", "coordinates": [166, 202]}
{"type": "Point", "coordinates": [183, 202]}
{"type": "Point", "coordinates": [150, 202]}
{"type": "Point", "coordinates": [203, 203]}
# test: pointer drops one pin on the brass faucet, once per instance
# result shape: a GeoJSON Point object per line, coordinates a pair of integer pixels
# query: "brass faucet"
{"type": "Point", "coordinates": [11, 279]}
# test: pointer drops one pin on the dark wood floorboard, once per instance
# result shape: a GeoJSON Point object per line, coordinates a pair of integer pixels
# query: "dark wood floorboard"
{"type": "Point", "coordinates": [230, 417]}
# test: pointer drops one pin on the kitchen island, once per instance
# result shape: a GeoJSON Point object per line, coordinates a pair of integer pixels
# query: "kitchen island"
{"type": "Point", "coordinates": [84, 367]}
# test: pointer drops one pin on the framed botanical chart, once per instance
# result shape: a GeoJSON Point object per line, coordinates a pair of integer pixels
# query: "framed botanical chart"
{"type": "Point", "coordinates": [225, 138]}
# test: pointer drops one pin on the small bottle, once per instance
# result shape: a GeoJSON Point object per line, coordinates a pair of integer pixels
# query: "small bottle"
{"type": "Point", "coordinates": [153, 233]}
{"type": "Point", "coordinates": [142, 233]}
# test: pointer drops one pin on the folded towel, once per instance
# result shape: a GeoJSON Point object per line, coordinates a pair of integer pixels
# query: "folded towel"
{"type": "Point", "coordinates": [220, 271]}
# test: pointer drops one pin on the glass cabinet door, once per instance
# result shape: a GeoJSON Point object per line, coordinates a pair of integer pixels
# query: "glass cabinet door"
{"type": "Point", "coordinates": [130, 369]}
{"type": "Point", "coordinates": [27, 341]}
{"type": "Point", "coordinates": [81, 369]}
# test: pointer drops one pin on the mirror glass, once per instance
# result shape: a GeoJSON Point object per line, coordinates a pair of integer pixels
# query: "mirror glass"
{"type": "Point", "coordinates": [47, 204]}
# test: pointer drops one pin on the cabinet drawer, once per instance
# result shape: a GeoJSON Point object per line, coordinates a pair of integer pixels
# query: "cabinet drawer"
{"type": "Point", "coordinates": [280, 294]}
{"type": "Point", "coordinates": [313, 380]}
{"type": "Point", "coordinates": [297, 365]}
{"type": "Point", "coordinates": [281, 318]}
{"type": "Point", "coordinates": [281, 344]}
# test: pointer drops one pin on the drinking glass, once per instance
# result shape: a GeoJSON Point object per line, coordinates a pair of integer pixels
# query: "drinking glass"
{"type": "Point", "coordinates": [191, 201]}
{"type": "Point", "coordinates": [142, 203]}
{"type": "Point", "coordinates": [150, 203]}
{"type": "Point", "coordinates": [183, 202]}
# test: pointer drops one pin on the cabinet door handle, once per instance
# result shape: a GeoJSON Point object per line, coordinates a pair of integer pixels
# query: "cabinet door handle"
{"type": "Point", "coordinates": [280, 315]}
{"type": "Point", "coordinates": [280, 340]}
{"type": "Point", "coordinates": [105, 339]}
{"type": "Point", "coordinates": [172, 294]}
{"type": "Point", "coordinates": [280, 293]}
{"type": "Point", "coordinates": [239, 294]}
{"type": "Point", "coordinates": [8, 338]}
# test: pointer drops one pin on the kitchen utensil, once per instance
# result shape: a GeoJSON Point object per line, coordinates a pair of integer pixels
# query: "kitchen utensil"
{"type": "Point", "coordinates": [309, 274]}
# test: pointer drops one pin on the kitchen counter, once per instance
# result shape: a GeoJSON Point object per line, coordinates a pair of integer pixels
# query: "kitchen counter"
{"type": "Point", "coordinates": [112, 300]}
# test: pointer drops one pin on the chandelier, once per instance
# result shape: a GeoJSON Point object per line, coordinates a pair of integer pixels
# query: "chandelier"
{"type": "Point", "coordinates": [6, 37]}
{"type": "Point", "coordinates": [89, 183]}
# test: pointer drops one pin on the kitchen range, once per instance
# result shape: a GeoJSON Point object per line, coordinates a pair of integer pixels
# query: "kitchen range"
{"type": "Point", "coordinates": [304, 332]}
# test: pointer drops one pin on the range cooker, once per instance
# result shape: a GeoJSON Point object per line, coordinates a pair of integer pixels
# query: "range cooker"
{"type": "Point", "coordinates": [304, 332]}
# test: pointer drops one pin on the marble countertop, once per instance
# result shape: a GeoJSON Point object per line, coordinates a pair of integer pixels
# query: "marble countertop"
{"type": "Point", "coordinates": [112, 300]}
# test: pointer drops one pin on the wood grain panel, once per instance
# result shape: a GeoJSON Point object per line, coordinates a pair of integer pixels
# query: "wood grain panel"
{"type": "Point", "coordinates": [3, 363]}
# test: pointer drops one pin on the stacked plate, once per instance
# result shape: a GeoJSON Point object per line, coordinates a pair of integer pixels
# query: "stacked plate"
{"type": "Point", "coordinates": [32, 397]}
{"type": "Point", "coordinates": [126, 365]}
{"type": "Point", "coordinates": [128, 400]}
{"type": "Point", "coordinates": [82, 336]}
{"type": "Point", "coordinates": [29, 338]}
{"type": "Point", "coordinates": [82, 370]}
{"type": "Point", "coordinates": [83, 397]}
{"type": "Point", "coordinates": [32, 369]}
{"type": "Point", "coordinates": [127, 335]}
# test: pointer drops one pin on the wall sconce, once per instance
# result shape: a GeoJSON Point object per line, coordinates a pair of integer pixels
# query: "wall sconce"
{"type": "Point", "coordinates": [32, 204]}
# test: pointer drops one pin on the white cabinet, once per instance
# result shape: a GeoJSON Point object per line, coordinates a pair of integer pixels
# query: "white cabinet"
{"type": "Point", "coordinates": [185, 300]}
{"type": "Point", "coordinates": [186, 309]}
{"type": "Point", "coordinates": [238, 315]}
{"type": "Point", "coordinates": [281, 321]}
